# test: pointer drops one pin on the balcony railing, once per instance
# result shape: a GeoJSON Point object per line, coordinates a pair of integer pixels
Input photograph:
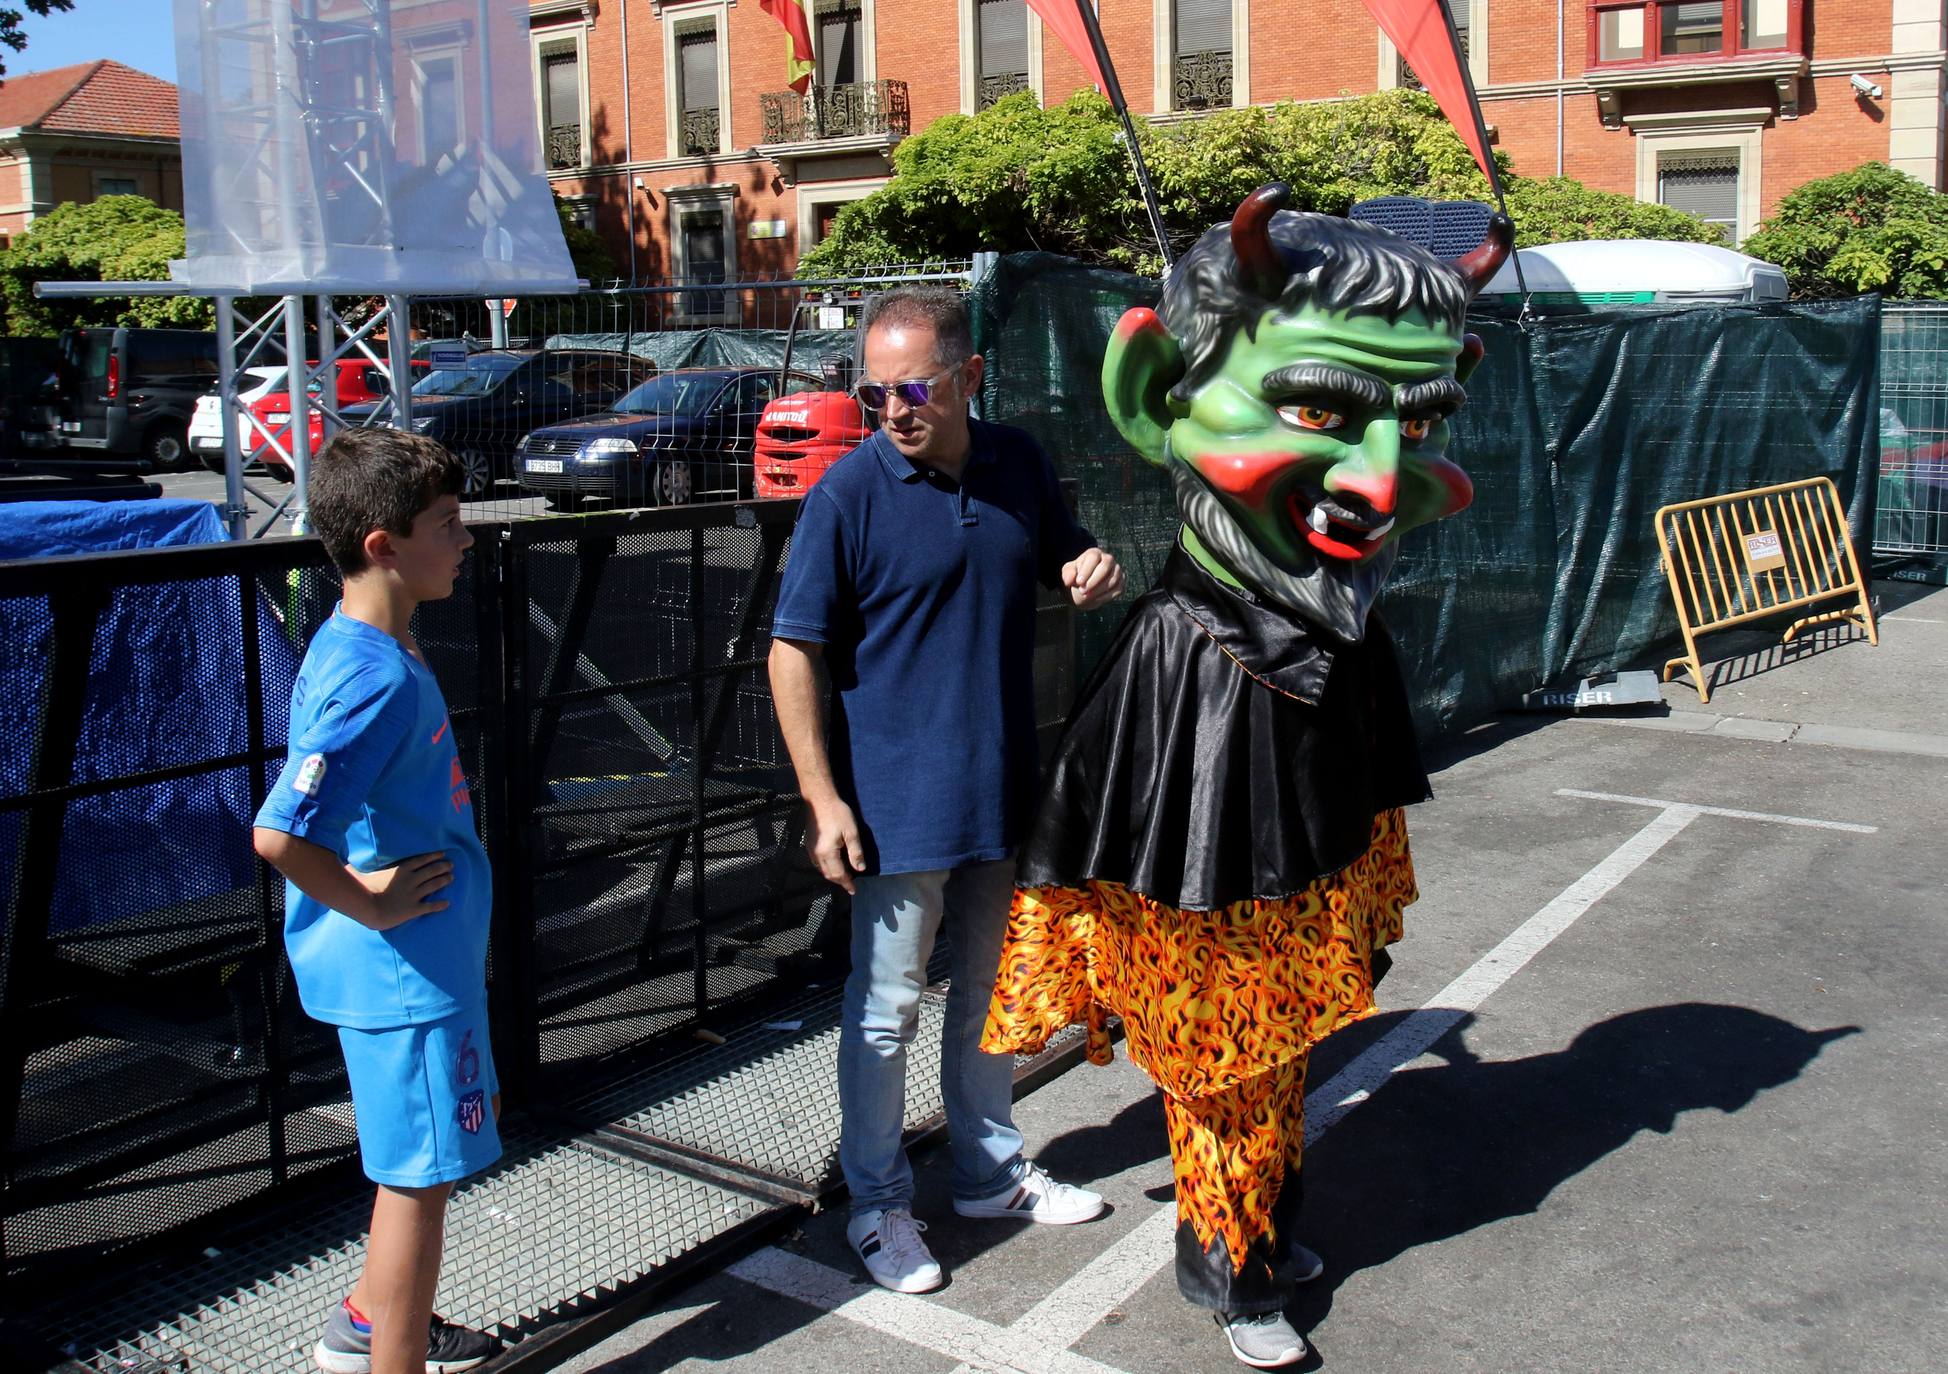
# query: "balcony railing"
{"type": "Point", "coordinates": [564, 146]}
{"type": "Point", "coordinates": [865, 107]}
{"type": "Point", "coordinates": [699, 133]}
{"type": "Point", "coordinates": [1201, 81]}
{"type": "Point", "coordinates": [1003, 83]}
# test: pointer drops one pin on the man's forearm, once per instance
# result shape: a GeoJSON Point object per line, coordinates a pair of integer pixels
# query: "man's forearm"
{"type": "Point", "coordinates": [794, 691]}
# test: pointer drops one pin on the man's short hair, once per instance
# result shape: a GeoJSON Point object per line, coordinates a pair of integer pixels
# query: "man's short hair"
{"type": "Point", "coordinates": [940, 308]}
{"type": "Point", "coordinates": [1332, 264]}
{"type": "Point", "coordinates": [369, 479]}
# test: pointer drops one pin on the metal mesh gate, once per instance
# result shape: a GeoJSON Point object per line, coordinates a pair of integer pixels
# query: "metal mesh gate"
{"type": "Point", "coordinates": [1913, 513]}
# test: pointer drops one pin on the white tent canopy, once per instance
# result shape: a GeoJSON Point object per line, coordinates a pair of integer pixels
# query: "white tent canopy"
{"type": "Point", "coordinates": [363, 146]}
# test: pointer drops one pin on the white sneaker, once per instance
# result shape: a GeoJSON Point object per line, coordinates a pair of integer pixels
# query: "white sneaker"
{"type": "Point", "coordinates": [1036, 1197]}
{"type": "Point", "coordinates": [888, 1243]}
{"type": "Point", "coordinates": [1264, 1341]}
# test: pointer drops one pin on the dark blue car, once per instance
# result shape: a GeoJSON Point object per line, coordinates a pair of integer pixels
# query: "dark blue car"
{"type": "Point", "coordinates": [481, 407]}
{"type": "Point", "coordinates": [683, 436]}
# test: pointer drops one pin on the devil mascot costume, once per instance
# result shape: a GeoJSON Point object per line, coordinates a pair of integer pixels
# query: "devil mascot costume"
{"type": "Point", "coordinates": [1220, 858]}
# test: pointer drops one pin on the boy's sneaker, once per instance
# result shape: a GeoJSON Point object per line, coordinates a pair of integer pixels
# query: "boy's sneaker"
{"type": "Point", "coordinates": [1305, 1264]}
{"type": "Point", "coordinates": [1263, 1340]}
{"type": "Point", "coordinates": [345, 1349]}
{"type": "Point", "coordinates": [888, 1243]}
{"type": "Point", "coordinates": [1036, 1197]}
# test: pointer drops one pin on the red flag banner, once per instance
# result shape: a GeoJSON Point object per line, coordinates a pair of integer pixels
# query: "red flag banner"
{"type": "Point", "coordinates": [794, 15]}
{"type": "Point", "coordinates": [1064, 20]}
{"type": "Point", "coordinates": [1420, 30]}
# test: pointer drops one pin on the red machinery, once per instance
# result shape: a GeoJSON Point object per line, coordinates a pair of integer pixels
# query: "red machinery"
{"type": "Point", "coordinates": [803, 434]}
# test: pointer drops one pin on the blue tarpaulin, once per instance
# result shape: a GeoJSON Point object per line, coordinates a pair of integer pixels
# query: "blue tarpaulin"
{"type": "Point", "coordinates": [165, 687]}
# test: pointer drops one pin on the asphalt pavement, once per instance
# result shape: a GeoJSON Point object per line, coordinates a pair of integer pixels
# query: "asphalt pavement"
{"type": "Point", "coordinates": [1657, 1083]}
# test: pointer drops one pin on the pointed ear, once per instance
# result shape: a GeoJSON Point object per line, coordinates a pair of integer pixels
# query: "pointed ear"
{"type": "Point", "coordinates": [1140, 366]}
{"type": "Point", "coordinates": [1472, 352]}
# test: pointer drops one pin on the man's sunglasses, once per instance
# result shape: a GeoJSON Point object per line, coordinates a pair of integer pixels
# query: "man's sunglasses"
{"type": "Point", "coordinates": [915, 392]}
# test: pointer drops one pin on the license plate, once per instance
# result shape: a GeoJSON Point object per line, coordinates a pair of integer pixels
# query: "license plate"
{"type": "Point", "coordinates": [544, 465]}
{"type": "Point", "coordinates": [206, 441]}
{"type": "Point", "coordinates": [70, 426]}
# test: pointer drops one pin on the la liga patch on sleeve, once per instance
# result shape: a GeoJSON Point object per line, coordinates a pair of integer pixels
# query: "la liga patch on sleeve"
{"type": "Point", "coordinates": [311, 775]}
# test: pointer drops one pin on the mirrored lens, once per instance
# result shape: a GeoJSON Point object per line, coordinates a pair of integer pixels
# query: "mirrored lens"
{"type": "Point", "coordinates": [871, 395]}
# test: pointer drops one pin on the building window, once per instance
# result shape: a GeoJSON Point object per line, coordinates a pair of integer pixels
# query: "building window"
{"type": "Point", "coordinates": [1459, 9]}
{"type": "Point", "coordinates": [116, 186]}
{"type": "Point", "coordinates": [438, 79]}
{"type": "Point", "coordinates": [1200, 75]}
{"type": "Point", "coordinates": [1002, 37]}
{"type": "Point", "coordinates": [1693, 30]}
{"type": "Point", "coordinates": [837, 42]}
{"type": "Point", "coordinates": [561, 105]}
{"type": "Point", "coordinates": [701, 132]}
{"type": "Point", "coordinates": [1702, 182]}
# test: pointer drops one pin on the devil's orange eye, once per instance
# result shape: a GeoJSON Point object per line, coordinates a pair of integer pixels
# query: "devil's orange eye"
{"type": "Point", "coordinates": [1311, 417]}
{"type": "Point", "coordinates": [1415, 430]}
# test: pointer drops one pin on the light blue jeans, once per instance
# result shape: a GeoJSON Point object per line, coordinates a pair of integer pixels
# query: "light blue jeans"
{"type": "Point", "coordinates": [895, 918]}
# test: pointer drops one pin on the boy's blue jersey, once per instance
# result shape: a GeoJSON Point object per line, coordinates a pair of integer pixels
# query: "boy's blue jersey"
{"type": "Point", "coordinates": [373, 776]}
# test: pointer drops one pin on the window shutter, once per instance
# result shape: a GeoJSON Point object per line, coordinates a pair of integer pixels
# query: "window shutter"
{"type": "Point", "coordinates": [1004, 37]}
{"type": "Point", "coordinates": [698, 52]}
{"type": "Point", "coordinates": [1703, 184]}
{"type": "Point", "coordinates": [838, 45]}
{"type": "Point", "coordinates": [1203, 26]}
{"type": "Point", "coordinates": [563, 87]}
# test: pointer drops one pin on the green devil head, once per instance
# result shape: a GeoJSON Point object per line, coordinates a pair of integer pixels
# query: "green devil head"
{"type": "Point", "coordinates": [1295, 382]}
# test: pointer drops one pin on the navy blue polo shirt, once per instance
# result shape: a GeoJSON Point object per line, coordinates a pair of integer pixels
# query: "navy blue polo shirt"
{"type": "Point", "coordinates": [922, 590]}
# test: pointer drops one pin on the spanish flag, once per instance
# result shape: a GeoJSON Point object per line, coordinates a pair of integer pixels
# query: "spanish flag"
{"type": "Point", "coordinates": [796, 16]}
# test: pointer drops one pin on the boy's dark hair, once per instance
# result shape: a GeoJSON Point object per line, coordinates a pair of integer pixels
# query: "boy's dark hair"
{"type": "Point", "coordinates": [940, 308]}
{"type": "Point", "coordinates": [369, 479]}
{"type": "Point", "coordinates": [1334, 264]}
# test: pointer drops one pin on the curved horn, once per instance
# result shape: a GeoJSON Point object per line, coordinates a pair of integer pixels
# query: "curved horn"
{"type": "Point", "coordinates": [1259, 263]}
{"type": "Point", "coordinates": [1479, 264]}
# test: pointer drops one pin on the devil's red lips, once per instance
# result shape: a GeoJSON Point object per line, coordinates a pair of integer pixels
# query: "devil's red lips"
{"type": "Point", "coordinates": [1336, 531]}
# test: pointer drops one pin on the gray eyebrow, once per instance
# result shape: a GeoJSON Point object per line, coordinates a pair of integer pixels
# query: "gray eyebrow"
{"type": "Point", "coordinates": [1331, 381]}
{"type": "Point", "coordinates": [1442, 395]}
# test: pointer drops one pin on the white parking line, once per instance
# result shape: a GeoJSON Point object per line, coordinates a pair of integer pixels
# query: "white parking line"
{"type": "Point", "coordinates": [1847, 826]}
{"type": "Point", "coordinates": [1037, 1342]}
{"type": "Point", "coordinates": [981, 1345]}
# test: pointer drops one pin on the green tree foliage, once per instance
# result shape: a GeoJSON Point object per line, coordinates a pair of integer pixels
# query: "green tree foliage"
{"type": "Point", "coordinates": [116, 238]}
{"type": "Point", "coordinates": [593, 262]}
{"type": "Point", "coordinates": [1017, 176]}
{"type": "Point", "coordinates": [1871, 229]}
{"type": "Point", "coordinates": [10, 34]}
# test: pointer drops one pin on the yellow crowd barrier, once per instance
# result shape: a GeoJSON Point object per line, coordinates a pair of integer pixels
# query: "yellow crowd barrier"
{"type": "Point", "coordinates": [1752, 553]}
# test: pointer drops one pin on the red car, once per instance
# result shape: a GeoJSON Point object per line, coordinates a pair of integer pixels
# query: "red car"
{"type": "Point", "coordinates": [359, 383]}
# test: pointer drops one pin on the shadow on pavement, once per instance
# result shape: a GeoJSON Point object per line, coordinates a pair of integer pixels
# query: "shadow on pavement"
{"type": "Point", "coordinates": [1443, 1150]}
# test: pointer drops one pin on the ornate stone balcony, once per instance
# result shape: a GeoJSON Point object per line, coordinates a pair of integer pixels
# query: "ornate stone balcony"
{"type": "Point", "coordinates": [699, 133]}
{"type": "Point", "coordinates": [564, 146]}
{"type": "Point", "coordinates": [859, 121]}
{"type": "Point", "coordinates": [1006, 83]}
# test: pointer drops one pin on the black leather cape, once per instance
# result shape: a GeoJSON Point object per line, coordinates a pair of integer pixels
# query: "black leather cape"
{"type": "Point", "coordinates": [1223, 749]}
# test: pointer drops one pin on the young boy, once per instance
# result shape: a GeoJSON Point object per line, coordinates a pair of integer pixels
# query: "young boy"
{"type": "Point", "coordinates": [387, 896]}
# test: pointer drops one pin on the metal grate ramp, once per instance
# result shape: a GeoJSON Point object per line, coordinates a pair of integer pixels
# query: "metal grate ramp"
{"type": "Point", "coordinates": [578, 1225]}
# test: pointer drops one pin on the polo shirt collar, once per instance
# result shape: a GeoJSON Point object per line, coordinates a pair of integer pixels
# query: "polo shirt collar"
{"type": "Point", "coordinates": [900, 468]}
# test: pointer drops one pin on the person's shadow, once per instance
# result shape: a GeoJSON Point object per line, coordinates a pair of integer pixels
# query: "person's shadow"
{"type": "Point", "coordinates": [1442, 1150]}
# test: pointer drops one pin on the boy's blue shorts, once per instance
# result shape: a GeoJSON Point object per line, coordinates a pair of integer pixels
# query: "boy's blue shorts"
{"type": "Point", "coordinates": [424, 1099]}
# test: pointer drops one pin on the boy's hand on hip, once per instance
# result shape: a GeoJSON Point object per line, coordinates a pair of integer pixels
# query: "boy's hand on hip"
{"type": "Point", "coordinates": [403, 892]}
{"type": "Point", "coordinates": [832, 839]}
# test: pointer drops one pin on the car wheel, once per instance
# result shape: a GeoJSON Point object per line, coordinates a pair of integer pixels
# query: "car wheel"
{"type": "Point", "coordinates": [166, 446]}
{"type": "Point", "coordinates": [478, 466]}
{"type": "Point", "coordinates": [213, 461]}
{"type": "Point", "coordinates": [670, 483]}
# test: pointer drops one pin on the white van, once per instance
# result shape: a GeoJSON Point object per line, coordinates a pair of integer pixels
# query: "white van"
{"type": "Point", "coordinates": [1636, 272]}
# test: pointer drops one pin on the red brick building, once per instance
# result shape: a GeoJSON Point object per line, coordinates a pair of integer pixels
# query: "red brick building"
{"type": "Point", "coordinates": [669, 124]}
{"type": "Point", "coordinates": [77, 133]}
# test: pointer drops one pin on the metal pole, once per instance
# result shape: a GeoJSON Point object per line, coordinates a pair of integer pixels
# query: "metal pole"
{"type": "Point", "coordinates": [295, 377]}
{"type": "Point", "coordinates": [1115, 94]}
{"type": "Point", "coordinates": [326, 318]}
{"type": "Point", "coordinates": [234, 512]}
{"type": "Point", "coordinates": [399, 360]}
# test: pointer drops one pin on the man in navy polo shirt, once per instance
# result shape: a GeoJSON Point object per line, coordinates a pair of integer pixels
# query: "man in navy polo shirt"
{"type": "Point", "coordinates": [911, 582]}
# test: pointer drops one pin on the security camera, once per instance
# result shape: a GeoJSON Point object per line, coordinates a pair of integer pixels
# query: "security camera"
{"type": "Point", "coordinates": [1865, 87]}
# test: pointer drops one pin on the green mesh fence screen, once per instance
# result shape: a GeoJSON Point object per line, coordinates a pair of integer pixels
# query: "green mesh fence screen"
{"type": "Point", "coordinates": [1578, 427]}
